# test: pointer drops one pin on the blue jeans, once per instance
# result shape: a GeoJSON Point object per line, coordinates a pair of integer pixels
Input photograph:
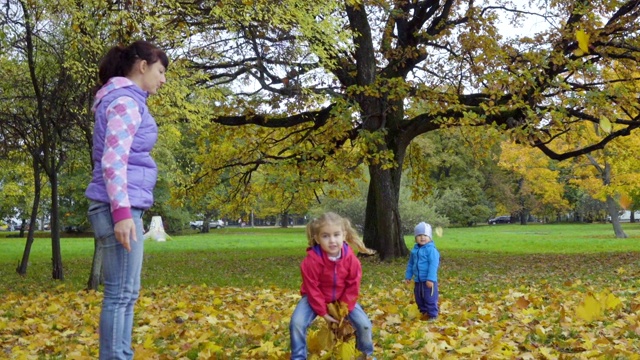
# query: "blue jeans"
{"type": "Point", "coordinates": [121, 273]}
{"type": "Point", "coordinates": [302, 317]}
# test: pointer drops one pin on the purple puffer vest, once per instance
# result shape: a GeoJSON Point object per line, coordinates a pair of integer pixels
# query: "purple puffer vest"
{"type": "Point", "coordinates": [142, 171]}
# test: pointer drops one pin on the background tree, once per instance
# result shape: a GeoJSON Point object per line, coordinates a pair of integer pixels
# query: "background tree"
{"type": "Point", "coordinates": [93, 28]}
{"type": "Point", "coordinates": [537, 181]}
{"type": "Point", "coordinates": [39, 106]}
{"type": "Point", "coordinates": [16, 186]}
{"type": "Point", "coordinates": [412, 209]}
{"type": "Point", "coordinates": [338, 77]}
{"type": "Point", "coordinates": [610, 175]}
{"type": "Point", "coordinates": [454, 162]}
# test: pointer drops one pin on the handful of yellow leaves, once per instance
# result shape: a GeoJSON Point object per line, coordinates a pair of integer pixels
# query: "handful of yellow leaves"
{"type": "Point", "coordinates": [333, 340]}
{"type": "Point", "coordinates": [342, 330]}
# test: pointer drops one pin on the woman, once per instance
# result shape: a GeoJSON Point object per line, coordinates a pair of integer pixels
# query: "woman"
{"type": "Point", "coordinates": [124, 176]}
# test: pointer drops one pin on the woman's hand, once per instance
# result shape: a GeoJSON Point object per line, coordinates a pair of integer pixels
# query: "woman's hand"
{"type": "Point", "coordinates": [125, 231]}
{"type": "Point", "coordinates": [429, 284]}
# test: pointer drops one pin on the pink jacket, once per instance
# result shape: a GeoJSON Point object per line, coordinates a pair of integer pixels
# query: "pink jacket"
{"type": "Point", "coordinates": [325, 281]}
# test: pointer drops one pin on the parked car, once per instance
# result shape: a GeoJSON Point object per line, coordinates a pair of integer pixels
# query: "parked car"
{"type": "Point", "coordinates": [625, 216]}
{"type": "Point", "coordinates": [213, 224]}
{"type": "Point", "coordinates": [74, 229]}
{"type": "Point", "coordinates": [10, 224]}
{"type": "Point", "coordinates": [504, 219]}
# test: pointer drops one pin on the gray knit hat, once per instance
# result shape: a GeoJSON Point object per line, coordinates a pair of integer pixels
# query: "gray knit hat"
{"type": "Point", "coordinates": [423, 229]}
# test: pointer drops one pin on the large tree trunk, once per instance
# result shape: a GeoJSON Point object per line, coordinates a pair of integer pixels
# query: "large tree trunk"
{"type": "Point", "coordinates": [284, 220]}
{"type": "Point", "coordinates": [382, 226]}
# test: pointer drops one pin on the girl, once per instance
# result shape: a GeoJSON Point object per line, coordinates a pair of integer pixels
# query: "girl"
{"type": "Point", "coordinates": [330, 272]}
{"type": "Point", "coordinates": [124, 175]}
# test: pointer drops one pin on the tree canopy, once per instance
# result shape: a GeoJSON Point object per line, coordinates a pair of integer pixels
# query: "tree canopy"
{"type": "Point", "coordinates": [319, 87]}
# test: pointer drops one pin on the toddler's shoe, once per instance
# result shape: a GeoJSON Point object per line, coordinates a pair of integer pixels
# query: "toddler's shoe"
{"type": "Point", "coordinates": [426, 317]}
{"type": "Point", "coordinates": [365, 357]}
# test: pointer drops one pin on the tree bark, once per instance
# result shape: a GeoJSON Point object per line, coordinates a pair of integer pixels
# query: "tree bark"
{"type": "Point", "coordinates": [205, 223]}
{"type": "Point", "coordinates": [47, 154]}
{"type": "Point", "coordinates": [612, 209]}
{"type": "Point", "coordinates": [37, 188]}
{"type": "Point", "coordinates": [58, 271]}
{"type": "Point", "coordinates": [95, 277]}
{"type": "Point", "coordinates": [612, 205]}
{"type": "Point", "coordinates": [284, 220]}
{"type": "Point", "coordinates": [382, 226]}
{"type": "Point", "coordinates": [524, 215]}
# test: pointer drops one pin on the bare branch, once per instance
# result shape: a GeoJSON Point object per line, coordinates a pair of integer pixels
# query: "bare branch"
{"type": "Point", "coordinates": [318, 117]}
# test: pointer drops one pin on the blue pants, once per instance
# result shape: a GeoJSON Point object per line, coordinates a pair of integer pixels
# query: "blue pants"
{"type": "Point", "coordinates": [426, 298]}
{"type": "Point", "coordinates": [302, 317]}
{"type": "Point", "coordinates": [121, 271]}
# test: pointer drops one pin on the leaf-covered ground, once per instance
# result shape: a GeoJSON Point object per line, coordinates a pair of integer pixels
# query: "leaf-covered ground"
{"type": "Point", "coordinates": [496, 307]}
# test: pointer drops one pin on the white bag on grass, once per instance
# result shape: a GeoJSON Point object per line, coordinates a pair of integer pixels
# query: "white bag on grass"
{"type": "Point", "coordinates": [156, 230]}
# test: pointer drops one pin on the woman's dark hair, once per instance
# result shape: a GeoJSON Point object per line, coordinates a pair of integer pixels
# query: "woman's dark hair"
{"type": "Point", "coordinates": [119, 60]}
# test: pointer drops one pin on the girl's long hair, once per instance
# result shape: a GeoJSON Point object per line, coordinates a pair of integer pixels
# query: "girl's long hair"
{"type": "Point", "coordinates": [351, 235]}
{"type": "Point", "coordinates": [119, 60]}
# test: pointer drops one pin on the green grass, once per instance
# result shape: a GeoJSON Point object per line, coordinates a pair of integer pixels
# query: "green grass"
{"type": "Point", "coordinates": [539, 238]}
{"type": "Point", "coordinates": [495, 256]}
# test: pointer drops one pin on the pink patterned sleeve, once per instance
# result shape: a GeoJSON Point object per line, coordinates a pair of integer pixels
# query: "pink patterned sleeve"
{"type": "Point", "coordinates": [123, 120]}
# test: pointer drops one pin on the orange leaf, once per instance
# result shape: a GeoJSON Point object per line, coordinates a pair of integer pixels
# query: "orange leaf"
{"type": "Point", "coordinates": [625, 201]}
{"type": "Point", "coordinates": [522, 303]}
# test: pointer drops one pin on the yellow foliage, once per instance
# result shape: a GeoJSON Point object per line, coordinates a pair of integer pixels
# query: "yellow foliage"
{"type": "Point", "coordinates": [594, 306]}
{"type": "Point", "coordinates": [583, 41]}
{"type": "Point", "coordinates": [333, 339]}
{"type": "Point", "coordinates": [320, 340]}
{"type": "Point", "coordinates": [540, 179]}
{"type": "Point", "coordinates": [148, 342]}
{"type": "Point", "coordinates": [267, 350]}
{"type": "Point", "coordinates": [590, 309]}
{"type": "Point", "coordinates": [345, 350]}
{"type": "Point", "coordinates": [212, 347]}
{"type": "Point", "coordinates": [605, 124]}
{"type": "Point", "coordinates": [338, 310]}
{"type": "Point", "coordinates": [495, 324]}
{"type": "Point", "coordinates": [413, 312]}
{"type": "Point", "coordinates": [611, 301]}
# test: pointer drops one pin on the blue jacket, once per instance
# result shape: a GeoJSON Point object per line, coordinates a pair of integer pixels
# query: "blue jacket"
{"type": "Point", "coordinates": [142, 171]}
{"type": "Point", "coordinates": [423, 263]}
